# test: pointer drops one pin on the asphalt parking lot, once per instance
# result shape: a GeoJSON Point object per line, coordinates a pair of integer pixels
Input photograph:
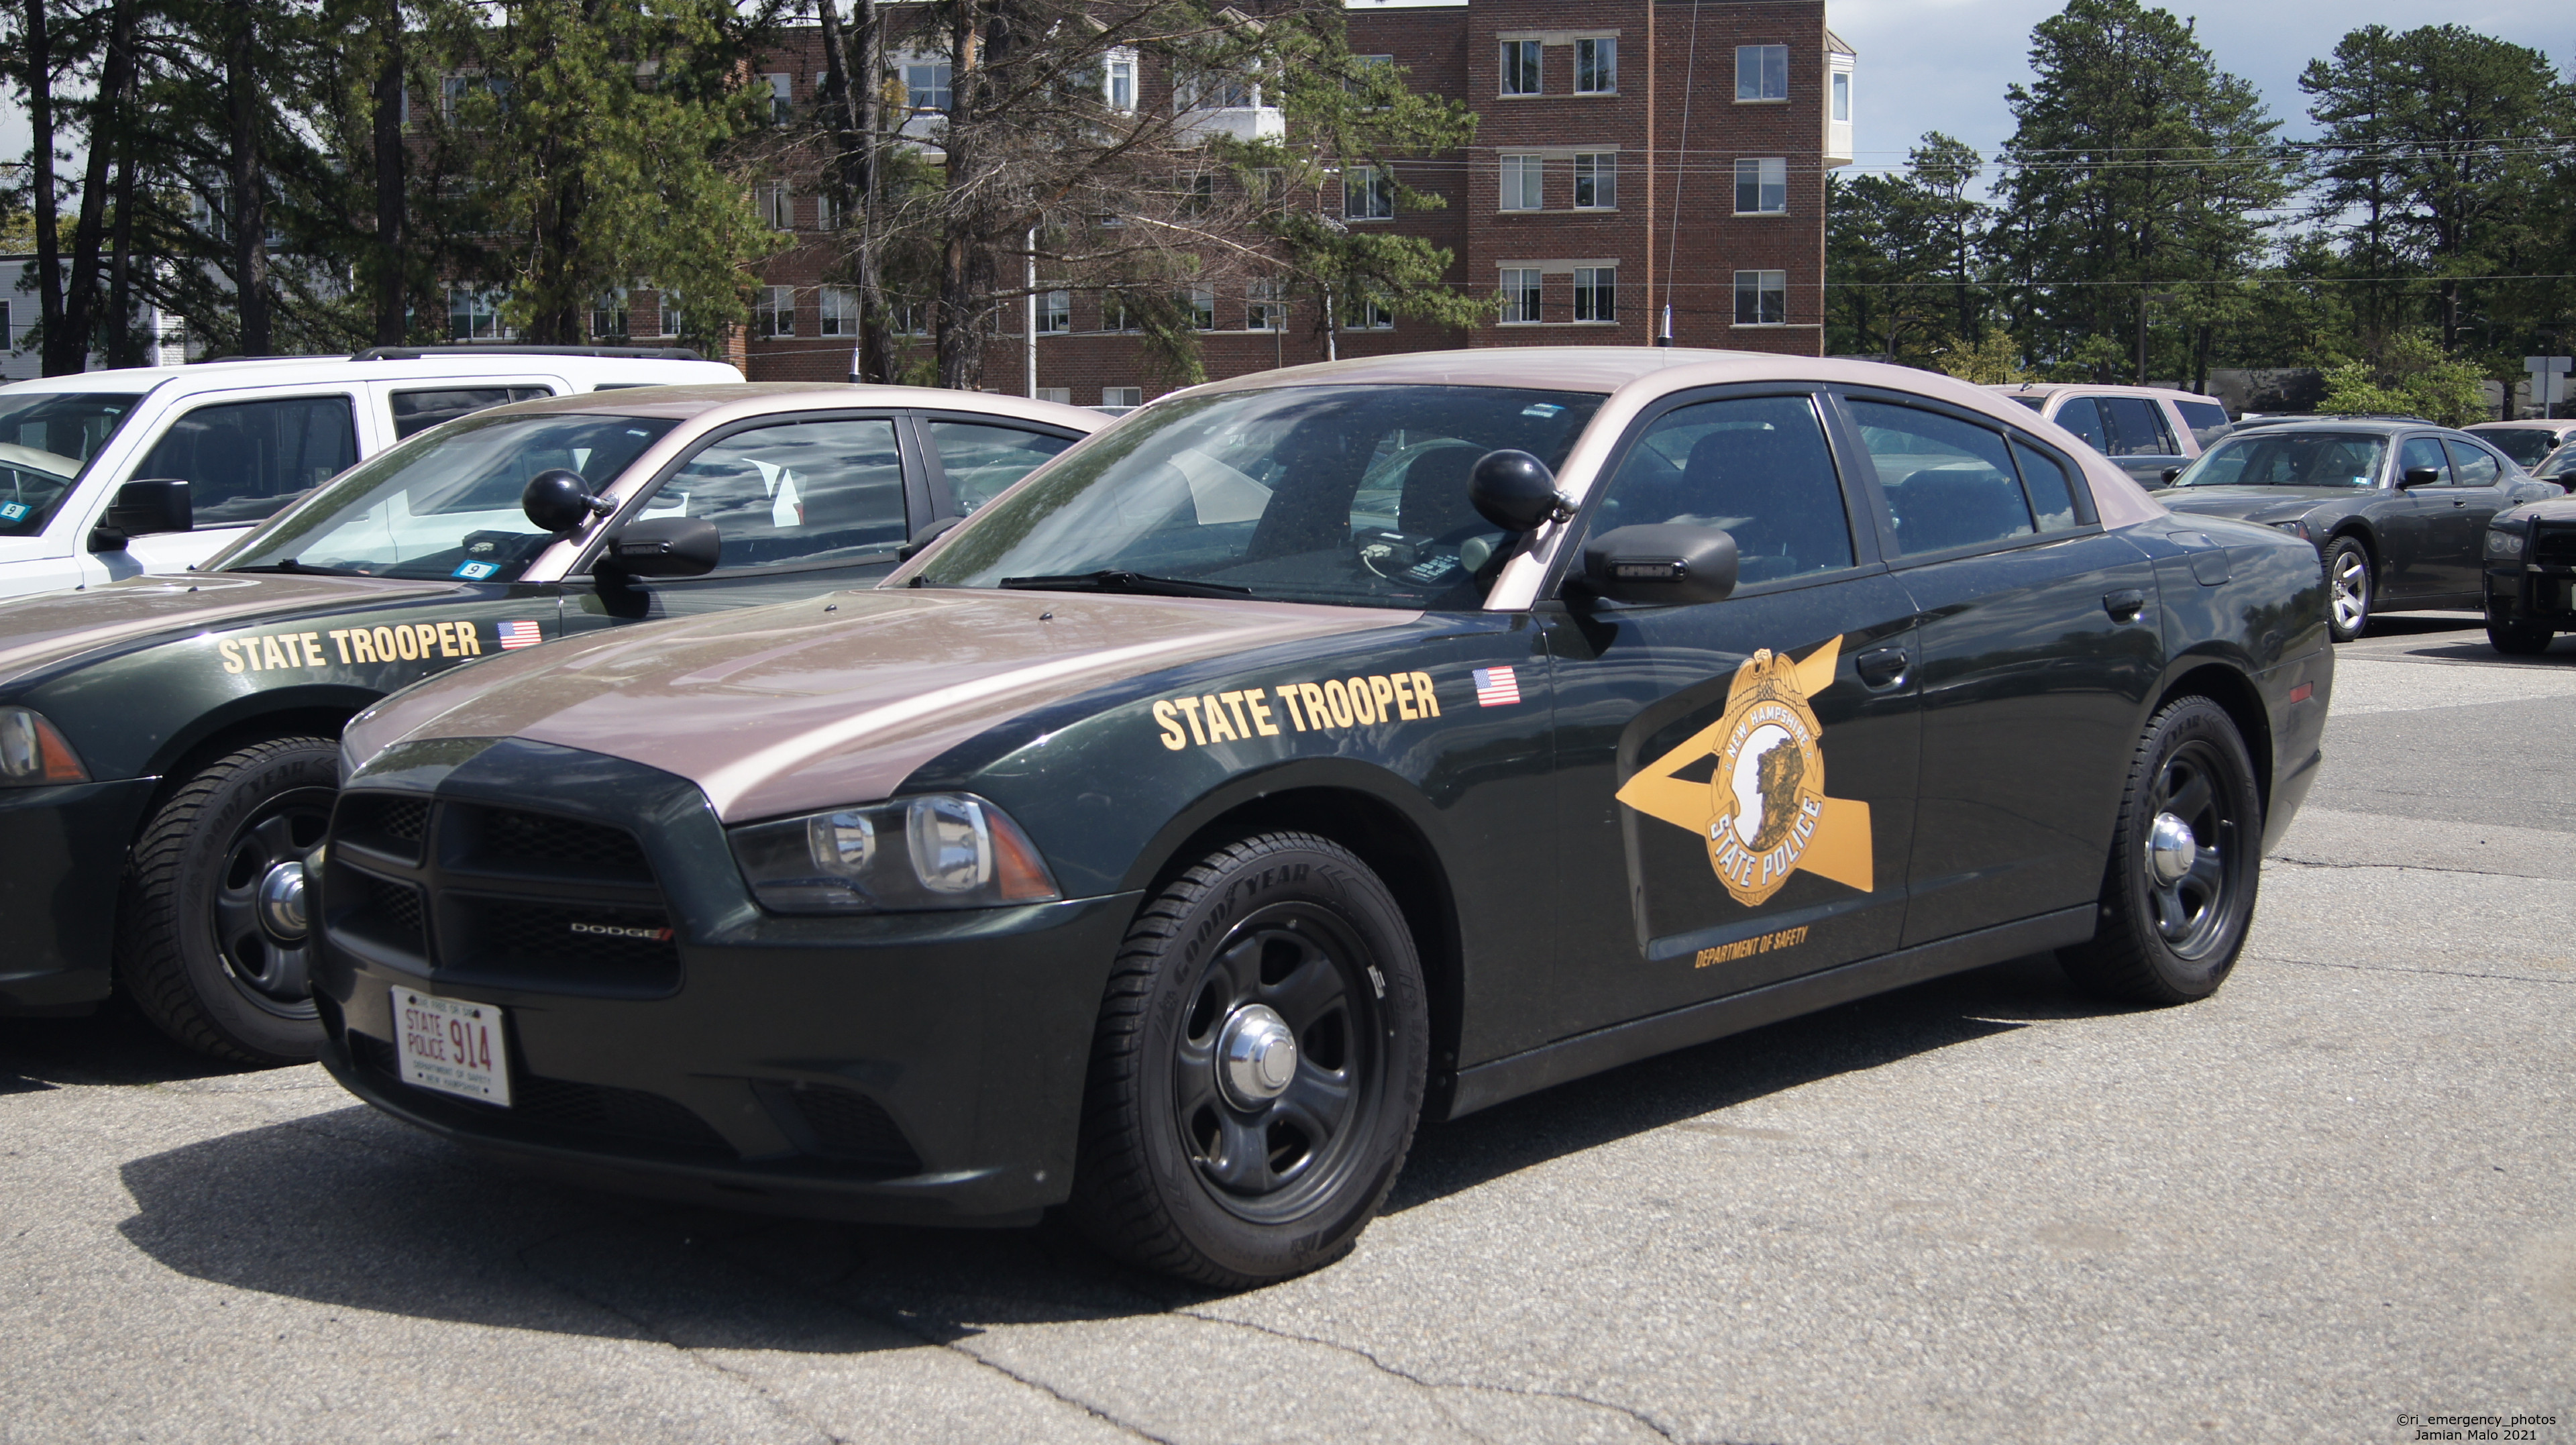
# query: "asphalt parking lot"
{"type": "Point", "coordinates": [2339, 1194]}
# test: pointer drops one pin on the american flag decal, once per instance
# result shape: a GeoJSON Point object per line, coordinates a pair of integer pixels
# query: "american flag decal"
{"type": "Point", "coordinates": [515, 635]}
{"type": "Point", "coordinates": [1496, 687]}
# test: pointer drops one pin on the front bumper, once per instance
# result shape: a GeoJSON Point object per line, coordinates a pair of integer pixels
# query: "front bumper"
{"type": "Point", "coordinates": [2540, 593]}
{"type": "Point", "coordinates": [62, 859]}
{"type": "Point", "coordinates": [915, 1068]}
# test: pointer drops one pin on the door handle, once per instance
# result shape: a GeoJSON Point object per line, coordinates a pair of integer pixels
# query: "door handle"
{"type": "Point", "coordinates": [2125, 604]}
{"type": "Point", "coordinates": [1881, 667]}
{"type": "Point", "coordinates": [2459, 501]}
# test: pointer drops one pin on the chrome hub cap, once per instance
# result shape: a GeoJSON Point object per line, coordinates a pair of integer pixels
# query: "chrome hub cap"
{"type": "Point", "coordinates": [281, 902]}
{"type": "Point", "coordinates": [2171, 849]}
{"type": "Point", "coordinates": [2351, 586]}
{"type": "Point", "coordinates": [1256, 1056]}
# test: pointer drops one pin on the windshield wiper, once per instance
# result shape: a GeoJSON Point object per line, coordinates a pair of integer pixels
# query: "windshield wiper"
{"type": "Point", "coordinates": [1113, 580]}
{"type": "Point", "coordinates": [306, 568]}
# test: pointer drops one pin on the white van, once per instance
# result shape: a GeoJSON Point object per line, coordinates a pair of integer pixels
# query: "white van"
{"type": "Point", "coordinates": [107, 474]}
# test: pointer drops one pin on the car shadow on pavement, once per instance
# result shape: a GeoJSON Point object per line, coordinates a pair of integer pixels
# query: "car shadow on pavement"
{"type": "Point", "coordinates": [112, 1046]}
{"type": "Point", "coordinates": [351, 1209]}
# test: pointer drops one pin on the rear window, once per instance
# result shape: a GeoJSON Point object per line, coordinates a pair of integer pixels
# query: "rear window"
{"type": "Point", "coordinates": [2527, 445]}
{"type": "Point", "coordinates": [418, 411]}
{"type": "Point", "coordinates": [2207, 420]}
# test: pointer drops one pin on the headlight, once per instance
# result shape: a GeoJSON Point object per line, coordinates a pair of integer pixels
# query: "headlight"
{"type": "Point", "coordinates": [2294, 527]}
{"type": "Point", "coordinates": [2501, 543]}
{"type": "Point", "coordinates": [945, 850]}
{"type": "Point", "coordinates": [33, 753]}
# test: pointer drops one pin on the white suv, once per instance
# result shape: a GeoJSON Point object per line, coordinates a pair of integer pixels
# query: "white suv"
{"type": "Point", "coordinates": [106, 474]}
{"type": "Point", "coordinates": [2151, 431]}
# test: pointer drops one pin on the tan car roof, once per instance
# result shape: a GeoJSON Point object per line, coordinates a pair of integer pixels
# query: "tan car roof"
{"type": "Point", "coordinates": [720, 403]}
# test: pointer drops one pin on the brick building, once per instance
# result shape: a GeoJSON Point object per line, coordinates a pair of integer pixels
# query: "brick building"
{"type": "Point", "coordinates": [1658, 153]}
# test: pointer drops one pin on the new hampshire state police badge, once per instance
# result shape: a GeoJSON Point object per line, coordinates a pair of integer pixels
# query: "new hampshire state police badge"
{"type": "Point", "coordinates": [1763, 811]}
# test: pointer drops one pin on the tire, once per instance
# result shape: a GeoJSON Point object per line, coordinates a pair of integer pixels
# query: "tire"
{"type": "Point", "coordinates": [193, 947]}
{"type": "Point", "coordinates": [2166, 937]}
{"type": "Point", "coordinates": [2518, 639]}
{"type": "Point", "coordinates": [2352, 588]}
{"type": "Point", "coordinates": [1183, 1168]}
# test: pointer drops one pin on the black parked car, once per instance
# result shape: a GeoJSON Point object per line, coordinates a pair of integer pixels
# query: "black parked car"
{"type": "Point", "coordinates": [2531, 575]}
{"type": "Point", "coordinates": [2398, 509]}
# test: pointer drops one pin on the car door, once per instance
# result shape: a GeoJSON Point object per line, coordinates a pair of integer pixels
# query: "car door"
{"type": "Point", "coordinates": [243, 461]}
{"type": "Point", "coordinates": [2459, 530]}
{"type": "Point", "coordinates": [805, 503]}
{"type": "Point", "coordinates": [1735, 780]}
{"type": "Point", "coordinates": [2040, 640]}
{"type": "Point", "coordinates": [2415, 521]}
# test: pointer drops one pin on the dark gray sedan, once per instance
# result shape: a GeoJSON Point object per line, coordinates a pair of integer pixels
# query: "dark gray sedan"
{"type": "Point", "coordinates": [2398, 510]}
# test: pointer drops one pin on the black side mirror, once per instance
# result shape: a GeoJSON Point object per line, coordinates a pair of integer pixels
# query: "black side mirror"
{"type": "Point", "coordinates": [929, 533]}
{"type": "Point", "coordinates": [665, 547]}
{"type": "Point", "coordinates": [2420, 477]}
{"type": "Point", "coordinates": [1662, 562]}
{"type": "Point", "coordinates": [558, 500]}
{"type": "Point", "coordinates": [141, 508]}
{"type": "Point", "coordinates": [1515, 491]}
{"type": "Point", "coordinates": [2169, 473]}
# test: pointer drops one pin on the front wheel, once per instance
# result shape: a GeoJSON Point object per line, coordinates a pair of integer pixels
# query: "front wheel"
{"type": "Point", "coordinates": [1257, 1068]}
{"type": "Point", "coordinates": [2351, 588]}
{"type": "Point", "coordinates": [211, 936]}
{"type": "Point", "coordinates": [2178, 893]}
{"type": "Point", "coordinates": [2518, 639]}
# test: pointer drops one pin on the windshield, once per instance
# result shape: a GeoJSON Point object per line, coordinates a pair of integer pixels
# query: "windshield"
{"type": "Point", "coordinates": [46, 441]}
{"type": "Point", "coordinates": [2289, 459]}
{"type": "Point", "coordinates": [2525, 444]}
{"type": "Point", "coordinates": [445, 503]}
{"type": "Point", "coordinates": [1355, 495]}
{"type": "Point", "coordinates": [2033, 402]}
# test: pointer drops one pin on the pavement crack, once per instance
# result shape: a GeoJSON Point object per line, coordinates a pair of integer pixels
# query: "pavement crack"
{"type": "Point", "coordinates": [2297, 862]}
{"type": "Point", "coordinates": [2394, 968]}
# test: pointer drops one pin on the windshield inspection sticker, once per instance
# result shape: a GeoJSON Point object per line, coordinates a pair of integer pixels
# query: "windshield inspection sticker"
{"type": "Point", "coordinates": [1763, 812]}
{"type": "Point", "coordinates": [12, 511]}
{"type": "Point", "coordinates": [475, 571]}
{"type": "Point", "coordinates": [1541, 408]}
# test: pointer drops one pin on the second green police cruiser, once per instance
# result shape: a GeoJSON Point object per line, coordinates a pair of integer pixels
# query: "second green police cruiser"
{"type": "Point", "coordinates": [1305, 754]}
{"type": "Point", "coordinates": [168, 743]}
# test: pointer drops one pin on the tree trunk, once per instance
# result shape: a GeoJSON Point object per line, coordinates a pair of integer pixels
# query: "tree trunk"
{"type": "Point", "coordinates": [39, 55]}
{"type": "Point", "coordinates": [249, 182]}
{"type": "Point", "coordinates": [965, 262]}
{"type": "Point", "coordinates": [393, 323]}
{"type": "Point", "coordinates": [124, 347]}
{"type": "Point", "coordinates": [80, 291]}
{"type": "Point", "coordinates": [852, 108]}
{"type": "Point", "coordinates": [2200, 360]}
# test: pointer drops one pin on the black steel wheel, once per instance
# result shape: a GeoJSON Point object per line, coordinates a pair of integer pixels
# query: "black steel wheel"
{"type": "Point", "coordinates": [1257, 1068]}
{"type": "Point", "coordinates": [2518, 639]}
{"type": "Point", "coordinates": [2178, 893]}
{"type": "Point", "coordinates": [2352, 586]}
{"type": "Point", "coordinates": [213, 939]}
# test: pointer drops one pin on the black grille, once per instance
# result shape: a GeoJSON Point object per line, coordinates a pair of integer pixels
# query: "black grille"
{"type": "Point", "coordinates": [387, 824]}
{"type": "Point", "coordinates": [548, 943]}
{"type": "Point", "coordinates": [561, 1106]}
{"type": "Point", "coordinates": [2555, 547]}
{"type": "Point", "coordinates": [376, 910]}
{"type": "Point", "coordinates": [849, 1126]}
{"type": "Point", "coordinates": [506, 839]}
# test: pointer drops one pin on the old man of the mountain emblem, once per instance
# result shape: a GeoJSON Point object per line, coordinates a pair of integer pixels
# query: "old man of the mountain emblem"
{"type": "Point", "coordinates": [1763, 813]}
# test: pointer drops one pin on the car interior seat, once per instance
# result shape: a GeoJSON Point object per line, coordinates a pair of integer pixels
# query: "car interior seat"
{"type": "Point", "coordinates": [1433, 500]}
{"type": "Point", "coordinates": [1940, 507]}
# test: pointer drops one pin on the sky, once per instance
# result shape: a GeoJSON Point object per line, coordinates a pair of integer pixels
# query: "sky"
{"type": "Point", "coordinates": [1943, 64]}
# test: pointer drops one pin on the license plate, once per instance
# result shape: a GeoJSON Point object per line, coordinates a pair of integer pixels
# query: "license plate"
{"type": "Point", "coordinates": [452, 1046]}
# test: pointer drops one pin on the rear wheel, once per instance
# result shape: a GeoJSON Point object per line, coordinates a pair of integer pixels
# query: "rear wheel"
{"type": "Point", "coordinates": [1257, 1068]}
{"type": "Point", "coordinates": [2178, 894]}
{"type": "Point", "coordinates": [2351, 588]}
{"type": "Point", "coordinates": [2518, 639]}
{"type": "Point", "coordinates": [211, 941]}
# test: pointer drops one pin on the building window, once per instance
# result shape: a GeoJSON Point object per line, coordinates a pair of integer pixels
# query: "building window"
{"type": "Point", "coordinates": [1055, 312]}
{"type": "Point", "coordinates": [1520, 296]}
{"type": "Point", "coordinates": [1761, 298]}
{"type": "Point", "coordinates": [925, 86]}
{"type": "Point", "coordinates": [840, 305]}
{"type": "Point", "coordinates": [1596, 293]}
{"type": "Point", "coordinates": [1762, 72]}
{"type": "Point", "coordinates": [1115, 313]}
{"type": "Point", "coordinates": [1842, 96]}
{"type": "Point", "coordinates": [911, 318]}
{"type": "Point", "coordinates": [1270, 186]}
{"type": "Point", "coordinates": [1118, 81]}
{"type": "Point", "coordinates": [1122, 396]}
{"type": "Point", "coordinates": [1521, 61]}
{"type": "Point", "coordinates": [1261, 308]}
{"type": "Point", "coordinates": [1352, 84]}
{"type": "Point", "coordinates": [827, 212]}
{"type": "Point", "coordinates": [1596, 180]}
{"type": "Point", "coordinates": [453, 90]}
{"type": "Point", "coordinates": [1369, 312]}
{"type": "Point", "coordinates": [1523, 184]}
{"type": "Point", "coordinates": [1368, 194]}
{"type": "Point", "coordinates": [1214, 91]}
{"type": "Point", "coordinates": [1200, 196]}
{"type": "Point", "coordinates": [668, 304]}
{"type": "Point", "coordinates": [1060, 395]}
{"type": "Point", "coordinates": [475, 315]}
{"type": "Point", "coordinates": [1200, 301]}
{"type": "Point", "coordinates": [608, 315]}
{"type": "Point", "coordinates": [777, 205]}
{"type": "Point", "coordinates": [774, 313]}
{"type": "Point", "coordinates": [782, 100]}
{"type": "Point", "coordinates": [1761, 186]}
{"type": "Point", "coordinates": [1596, 66]}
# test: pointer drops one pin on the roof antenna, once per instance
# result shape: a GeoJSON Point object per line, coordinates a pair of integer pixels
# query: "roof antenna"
{"type": "Point", "coordinates": [1681, 160]}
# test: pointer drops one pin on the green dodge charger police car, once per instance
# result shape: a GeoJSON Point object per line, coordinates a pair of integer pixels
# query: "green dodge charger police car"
{"type": "Point", "coordinates": [1181, 827]}
{"type": "Point", "coordinates": [168, 743]}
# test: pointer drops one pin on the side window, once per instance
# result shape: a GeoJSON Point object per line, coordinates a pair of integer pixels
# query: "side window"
{"type": "Point", "coordinates": [2137, 428]}
{"type": "Point", "coordinates": [245, 460]}
{"type": "Point", "coordinates": [2421, 453]}
{"type": "Point", "coordinates": [1949, 483]}
{"type": "Point", "coordinates": [2207, 420]}
{"type": "Point", "coordinates": [418, 411]}
{"type": "Point", "coordinates": [1756, 466]}
{"type": "Point", "coordinates": [981, 459]}
{"type": "Point", "coordinates": [2083, 418]}
{"type": "Point", "coordinates": [2051, 490]}
{"type": "Point", "coordinates": [808, 491]}
{"type": "Point", "coordinates": [2472, 466]}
